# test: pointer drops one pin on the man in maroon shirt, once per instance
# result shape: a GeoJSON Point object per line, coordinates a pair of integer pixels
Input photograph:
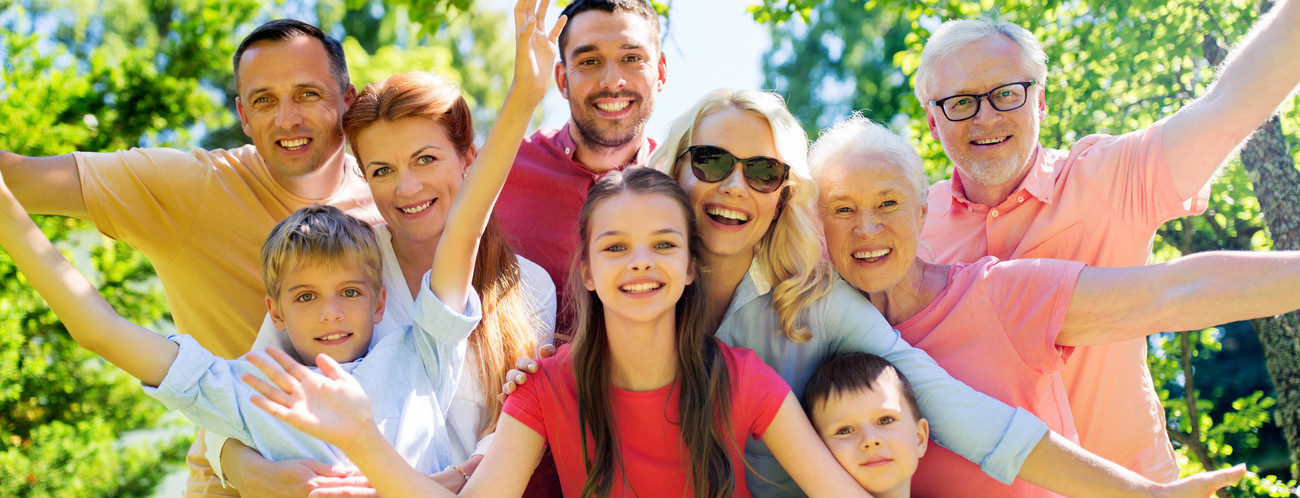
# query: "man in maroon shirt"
{"type": "Point", "coordinates": [610, 71]}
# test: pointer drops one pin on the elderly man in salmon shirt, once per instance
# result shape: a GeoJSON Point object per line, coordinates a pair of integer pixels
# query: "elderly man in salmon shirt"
{"type": "Point", "coordinates": [982, 84]}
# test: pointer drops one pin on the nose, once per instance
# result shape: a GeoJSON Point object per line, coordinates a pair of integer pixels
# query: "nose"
{"type": "Point", "coordinates": [734, 183]}
{"type": "Point", "coordinates": [330, 310]}
{"type": "Point", "coordinates": [407, 184]}
{"type": "Point", "coordinates": [641, 260]}
{"type": "Point", "coordinates": [611, 77]}
{"type": "Point", "coordinates": [986, 112]}
{"type": "Point", "coordinates": [868, 224]}
{"type": "Point", "coordinates": [870, 437]}
{"type": "Point", "coordinates": [289, 115]}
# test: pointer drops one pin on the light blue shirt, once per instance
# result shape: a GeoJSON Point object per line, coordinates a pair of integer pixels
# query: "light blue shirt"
{"type": "Point", "coordinates": [409, 375]}
{"type": "Point", "coordinates": [971, 424]}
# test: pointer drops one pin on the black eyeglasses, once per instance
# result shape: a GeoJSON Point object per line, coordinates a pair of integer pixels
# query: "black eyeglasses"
{"type": "Point", "coordinates": [1008, 97]}
{"type": "Point", "coordinates": [712, 164]}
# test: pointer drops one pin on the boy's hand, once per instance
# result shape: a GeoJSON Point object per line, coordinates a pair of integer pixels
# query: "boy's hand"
{"type": "Point", "coordinates": [518, 375]}
{"type": "Point", "coordinates": [331, 406]}
{"type": "Point", "coordinates": [306, 477]}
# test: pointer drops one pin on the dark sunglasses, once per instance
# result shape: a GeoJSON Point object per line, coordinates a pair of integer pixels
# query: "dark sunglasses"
{"type": "Point", "coordinates": [712, 164]}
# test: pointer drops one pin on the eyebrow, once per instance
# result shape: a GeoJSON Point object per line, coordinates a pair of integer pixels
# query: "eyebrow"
{"type": "Point", "coordinates": [591, 47]}
{"type": "Point", "coordinates": [413, 155]}
{"type": "Point", "coordinates": [661, 231]}
{"type": "Point", "coordinates": [298, 86]}
{"type": "Point", "coordinates": [348, 282]}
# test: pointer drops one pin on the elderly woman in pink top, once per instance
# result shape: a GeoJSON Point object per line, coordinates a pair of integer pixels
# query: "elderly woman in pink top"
{"type": "Point", "coordinates": [1006, 328]}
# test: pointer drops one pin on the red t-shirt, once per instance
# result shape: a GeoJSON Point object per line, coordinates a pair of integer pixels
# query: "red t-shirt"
{"type": "Point", "coordinates": [645, 423]}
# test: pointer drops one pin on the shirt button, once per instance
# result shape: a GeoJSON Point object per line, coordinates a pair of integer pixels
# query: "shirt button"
{"type": "Point", "coordinates": [994, 213]}
{"type": "Point", "coordinates": [1020, 199]}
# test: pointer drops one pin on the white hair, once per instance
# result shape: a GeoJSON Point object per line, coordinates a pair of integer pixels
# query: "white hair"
{"type": "Point", "coordinates": [957, 33]}
{"type": "Point", "coordinates": [857, 138]}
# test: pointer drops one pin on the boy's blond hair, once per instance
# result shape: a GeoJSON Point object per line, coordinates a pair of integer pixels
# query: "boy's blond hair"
{"type": "Point", "coordinates": [851, 372]}
{"type": "Point", "coordinates": [319, 234]}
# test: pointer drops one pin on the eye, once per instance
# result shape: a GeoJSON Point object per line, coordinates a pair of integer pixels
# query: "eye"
{"type": "Point", "coordinates": [889, 204]}
{"type": "Point", "coordinates": [381, 171]}
{"type": "Point", "coordinates": [305, 297]}
{"type": "Point", "coordinates": [665, 245]}
{"type": "Point", "coordinates": [309, 95]}
{"type": "Point", "coordinates": [844, 431]}
{"type": "Point", "coordinates": [588, 62]}
{"type": "Point", "coordinates": [843, 210]}
{"type": "Point", "coordinates": [425, 159]}
{"type": "Point", "coordinates": [885, 420]}
{"type": "Point", "coordinates": [615, 248]}
{"type": "Point", "coordinates": [633, 58]}
{"type": "Point", "coordinates": [261, 100]}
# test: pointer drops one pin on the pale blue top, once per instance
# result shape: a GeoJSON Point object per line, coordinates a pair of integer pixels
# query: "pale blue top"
{"type": "Point", "coordinates": [409, 375]}
{"type": "Point", "coordinates": [971, 424]}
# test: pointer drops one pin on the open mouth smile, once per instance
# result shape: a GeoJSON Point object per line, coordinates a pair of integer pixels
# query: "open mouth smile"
{"type": "Point", "coordinates": [640, 288]}
{"type": "Point", "coordinates": [726, 216]}
{"type": "Point", "coordinates": [418, 208]}
{"type": "Point", "coordinates": [871, 256]}
{"type": "Point", "coordinates": [293, 144]}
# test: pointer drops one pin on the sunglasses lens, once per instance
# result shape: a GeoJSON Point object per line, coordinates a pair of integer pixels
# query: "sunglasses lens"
{"type": "Point", "coordinates": [711, 164]}
{"type": "Point", "coordinates": [764, 174]}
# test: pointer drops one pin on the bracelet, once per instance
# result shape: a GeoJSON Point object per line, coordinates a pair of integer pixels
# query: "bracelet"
{"type": "Point", "coordinates": [458, 469]}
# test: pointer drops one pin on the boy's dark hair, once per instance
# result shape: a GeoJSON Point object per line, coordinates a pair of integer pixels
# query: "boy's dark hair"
{"type": "Point", "coordinates": [851, 372]}
{"type": "Point", "coordinates": [287, 29]}
{"type": "Point", "coordinates": [641, 8]}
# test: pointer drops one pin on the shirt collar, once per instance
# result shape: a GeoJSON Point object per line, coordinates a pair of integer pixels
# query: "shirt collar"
{"type": "Point", "coordinates": [1038, 182]}
{"type": "Point", "coordinates": [563, 140]}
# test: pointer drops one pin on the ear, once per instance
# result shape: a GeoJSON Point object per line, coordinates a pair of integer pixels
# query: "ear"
{"type": "Point", "coordinates": [663, 73]}
{"type": "Point", "coordinates": [469, 159]}
{"type": "Point", "coordinates": [922, 436]}
{"type": "Point", "coordinates": [379, 305]}
{"type": "Point", "coordinates": [690, 272]}
{"type": "Point", "coordinates": [561, 79]}
{"type": "Point", "coordinates": [586, 276]}
{"type": "Point", "coordinates": [243, 122]}
{"type": "Point", "coordinates": [929, 120]}
{"type": "Point", "coordinates": [274, 310]}
{"type": "Point", "coordinates": [925, 212]}
{"type": "Point", "coordinates": [350, 96]}
{"type": "Point", "coordinates": [1042, 103]}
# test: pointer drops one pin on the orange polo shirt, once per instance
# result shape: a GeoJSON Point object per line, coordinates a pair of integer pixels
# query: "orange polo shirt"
{"type": "Point", "coordinates": [1099, 203]}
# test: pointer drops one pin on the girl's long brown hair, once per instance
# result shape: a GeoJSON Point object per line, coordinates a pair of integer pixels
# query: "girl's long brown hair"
{"type": "Point", "coordinates": [505, 334]}
{"type": "Point", "coordinates": [703, 383]}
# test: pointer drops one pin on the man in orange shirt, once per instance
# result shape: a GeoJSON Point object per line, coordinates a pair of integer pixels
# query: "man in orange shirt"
{"type": "Point", "coordinates": [200, 216]}
{"type": "Point", "coordinates": [1100, 202]}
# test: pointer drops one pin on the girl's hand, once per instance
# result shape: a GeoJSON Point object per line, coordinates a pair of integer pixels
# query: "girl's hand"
{"type": "Point", "coordinates": [1204, 484]}
{"type": "Point", "coordinates": [330, 406]}
{"type": "Point", "coordinates": [535, 49]}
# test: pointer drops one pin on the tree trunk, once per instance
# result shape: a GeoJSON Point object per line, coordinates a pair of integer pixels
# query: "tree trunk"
{"type": "Point", "coordinates": [1273, 173]}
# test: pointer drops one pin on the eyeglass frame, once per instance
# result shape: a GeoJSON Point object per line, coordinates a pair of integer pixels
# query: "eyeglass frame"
{"type": "Point", "coordinates": [744, 161]}
{"type": "Point", "coordinates": [985, 96]}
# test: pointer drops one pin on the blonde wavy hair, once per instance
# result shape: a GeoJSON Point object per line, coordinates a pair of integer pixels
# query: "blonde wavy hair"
{"type": "Point", "coordinates": [789, 254]}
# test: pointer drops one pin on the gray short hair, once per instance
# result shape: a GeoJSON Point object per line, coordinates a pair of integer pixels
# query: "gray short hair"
{"type": "Point", "coordinates": [857, 137]}
{"type": "Point", "coordinates": [955, 34]}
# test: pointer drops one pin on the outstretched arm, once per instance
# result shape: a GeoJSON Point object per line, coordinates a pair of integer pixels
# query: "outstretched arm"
{"type": "Point", "coordinates": [1189, 293]}
{"type": "Point", "coordinates": [1260, 73]}
{"type": "Point", "coordinates": [453, 263]}
{"type": "Point", "coordinates": [91, 321]}
{"type": "Point", "coordinates": [1059, 465]}
{"type": "Point", "coordinates": [45, 185]}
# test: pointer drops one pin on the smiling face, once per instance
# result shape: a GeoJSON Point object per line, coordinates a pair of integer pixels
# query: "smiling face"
{"type": "Point", "coordinates": [328, 307]}
{"type": "Point", "coordinates": [872, 217]}
{"type": "Point", "coordinates": [732, 217]}
{"type": "Point", "coordinates": [414, 171]}
{"type": "Point", "coordinates": [289, 104]}
{"type": "Point", "coordinates": [993, 148]}
{"type": "Point", "coordinates": [638, 260]}
{"type": "Point", "coordinates": [874, 435]}
{"type": "Point", "coordinates": [611, 72]}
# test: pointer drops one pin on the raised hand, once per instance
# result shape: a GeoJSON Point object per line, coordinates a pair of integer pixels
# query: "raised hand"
{"type": "Point", "coordinates": [329, 405]}
{"type": "Point", "coordinates": [535, 49]}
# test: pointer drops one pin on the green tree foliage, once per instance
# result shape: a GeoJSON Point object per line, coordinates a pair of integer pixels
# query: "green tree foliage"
{"type": "Point", "coordinates": [99, 75]}
{"type": "Point", "coordinates": [1114, 66]}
